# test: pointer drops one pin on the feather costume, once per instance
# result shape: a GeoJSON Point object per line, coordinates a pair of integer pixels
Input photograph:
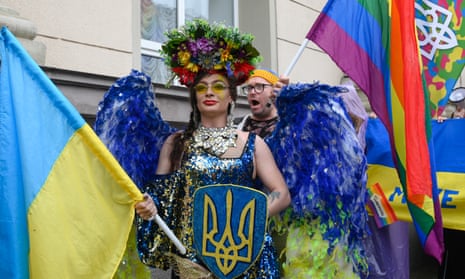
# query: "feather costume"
{"type": "Point", "coordinates": [130, 124]}
{"type": "Point", "coordinates": [315, 146]}
{"type": "Point", "coordinates": [317, 150]}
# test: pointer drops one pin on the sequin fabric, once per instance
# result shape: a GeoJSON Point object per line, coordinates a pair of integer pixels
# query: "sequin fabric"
{"type": "Point", "coordinates": [174, 196]}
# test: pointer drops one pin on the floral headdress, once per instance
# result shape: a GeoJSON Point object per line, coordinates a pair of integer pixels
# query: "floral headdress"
{"type": "Point", "coordinates": [199, 46]}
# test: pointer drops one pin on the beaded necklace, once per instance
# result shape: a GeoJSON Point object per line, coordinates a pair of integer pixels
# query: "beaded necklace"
{"type": "Point", "coordinates": [215, 141]}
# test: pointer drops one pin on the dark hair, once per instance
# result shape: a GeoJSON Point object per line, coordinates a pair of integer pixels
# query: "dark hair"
{"type": "Point", "coordinates": [181, 139]}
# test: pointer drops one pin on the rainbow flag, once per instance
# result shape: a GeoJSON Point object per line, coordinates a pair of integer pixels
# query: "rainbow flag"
{"type": "Point", "coordinates": [66, 206]}
{"type": "Point", "coordinates": [379, 206]}
{"type": "Point", "coordinates": [375, 43]}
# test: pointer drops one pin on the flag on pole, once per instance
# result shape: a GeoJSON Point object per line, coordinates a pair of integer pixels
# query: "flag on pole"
{"type": "Point", "coordinates": [374, 42]}
{"type": "Point", "coordinates": [66, 206]}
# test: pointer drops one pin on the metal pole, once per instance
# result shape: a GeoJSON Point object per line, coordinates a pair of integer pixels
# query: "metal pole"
{"type": "Point", "coordinates": [296, 57]}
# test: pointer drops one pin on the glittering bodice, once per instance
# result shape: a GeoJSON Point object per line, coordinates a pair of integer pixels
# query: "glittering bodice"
{"type": "Point", "coordinates": [173, 194]}
{"type": "Point", "coordinates": [202, 168]}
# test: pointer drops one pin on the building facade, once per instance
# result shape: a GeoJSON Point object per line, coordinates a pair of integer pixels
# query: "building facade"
{"type": "Point", "coordinates": [84, 46]}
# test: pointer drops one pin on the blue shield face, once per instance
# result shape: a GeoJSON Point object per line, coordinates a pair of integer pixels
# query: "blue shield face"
{"type": "Point", "coordinates": [229, 227]}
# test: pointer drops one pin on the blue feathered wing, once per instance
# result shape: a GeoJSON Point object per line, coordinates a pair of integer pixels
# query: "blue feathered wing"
{"type": "Point", "coordinates": [131, 126]}
{"type": "Point", "coordinates": [317, 150]}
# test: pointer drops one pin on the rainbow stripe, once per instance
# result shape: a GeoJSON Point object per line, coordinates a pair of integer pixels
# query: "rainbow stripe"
{"type": "Point", "coordinates": [375, 43]}
{"type": "Point", "coordinates": [379, 206]}
{"type": "Point", "coordinates": [66, 206]}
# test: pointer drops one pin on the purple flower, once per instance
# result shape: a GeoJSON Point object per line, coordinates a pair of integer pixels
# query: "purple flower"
{"type": "Point", "coordinates": [202, 45]}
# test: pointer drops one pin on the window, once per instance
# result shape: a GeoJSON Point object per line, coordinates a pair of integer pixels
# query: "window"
{"type": "Point", "coordinates": [158, 16]}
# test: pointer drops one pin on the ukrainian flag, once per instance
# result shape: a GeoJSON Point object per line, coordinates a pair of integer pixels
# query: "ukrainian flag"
{"type": "Point", "coordinates": [449, 147]}
{"type": "Point", "coordinates": [66, 206]}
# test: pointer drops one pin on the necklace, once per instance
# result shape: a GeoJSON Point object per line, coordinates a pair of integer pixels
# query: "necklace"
{"type": "Point", "coordinates": [215, 140]}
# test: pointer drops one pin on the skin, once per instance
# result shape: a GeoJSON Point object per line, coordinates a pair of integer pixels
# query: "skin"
{"type": "Point", "coordinates": [213, 106]}
{"type": "Point", "coordinates": [258, 102]}
{"type": "Point", "coordinates": [213, 109]}
{"type": "Point", "coordinates": [458, 113]}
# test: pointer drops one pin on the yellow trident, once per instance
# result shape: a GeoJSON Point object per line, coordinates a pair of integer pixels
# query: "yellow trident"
{"type": "Point", "coordinates": [226, 251]}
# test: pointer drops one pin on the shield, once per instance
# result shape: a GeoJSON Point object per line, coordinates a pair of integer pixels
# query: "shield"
{"type": "Point", "coordinates": [229, 227]}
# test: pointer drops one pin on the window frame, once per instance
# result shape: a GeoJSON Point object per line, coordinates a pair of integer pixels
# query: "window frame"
{"type": "Point", "coordinates": [153, 49]}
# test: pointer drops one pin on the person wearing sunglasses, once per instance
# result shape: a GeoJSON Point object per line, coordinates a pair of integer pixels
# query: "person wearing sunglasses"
{"type": "Point", "coordinates": [209, 151]}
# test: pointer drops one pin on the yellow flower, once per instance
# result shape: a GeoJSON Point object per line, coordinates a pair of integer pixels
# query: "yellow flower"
{"type": "Point", "coordinates": [192, 67]}
{"type": "Point", "coordinates": [184, 57]}
{"type": "Point", "coordinates": [218, 66]}
{"type": "Point", "coordinates": [226, 54]}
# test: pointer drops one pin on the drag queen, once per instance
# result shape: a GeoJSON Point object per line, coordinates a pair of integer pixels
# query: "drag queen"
{"type": "Point", "coordinates": [211, 60]}
{"type": "Point", "coordinates": [314, 144]}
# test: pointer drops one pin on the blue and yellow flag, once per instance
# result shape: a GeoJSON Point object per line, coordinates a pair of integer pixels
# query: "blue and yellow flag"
{"type": "Point", "coordinates": [449, 140]}
{"type": "Point", "coordinates": [66, 206]}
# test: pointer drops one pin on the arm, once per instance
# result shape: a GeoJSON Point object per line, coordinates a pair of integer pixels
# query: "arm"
{"type": "Point", "coordinates": [153, 238]}
{"type": "Point", "coordinates": [164, 161]}
{"type": "Point", "coordinates": [268, 172]}
{"type": "Point", "coordinates": [283, 81]}
{"type": "Point", "coordinates": [147, 209]}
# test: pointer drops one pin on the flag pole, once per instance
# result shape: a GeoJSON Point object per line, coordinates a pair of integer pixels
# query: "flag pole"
{"type": "Point", "coordinates": [169, 233]}
{"type": "Point", "coordinates": [296, 57]}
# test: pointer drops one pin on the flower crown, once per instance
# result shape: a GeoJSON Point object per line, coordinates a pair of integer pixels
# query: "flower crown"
{"type": "Point", "coordinates": [212, 48]}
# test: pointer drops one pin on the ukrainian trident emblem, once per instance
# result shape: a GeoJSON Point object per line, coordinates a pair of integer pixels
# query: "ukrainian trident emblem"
{"type": "Point", "coordinates": [229, 227]}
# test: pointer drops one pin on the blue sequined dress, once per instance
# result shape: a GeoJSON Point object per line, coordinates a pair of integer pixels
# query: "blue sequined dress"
{"type": "Point", "coordinates": [173, 194]}
{"type": "Point", "coordinates": [314, 145]}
